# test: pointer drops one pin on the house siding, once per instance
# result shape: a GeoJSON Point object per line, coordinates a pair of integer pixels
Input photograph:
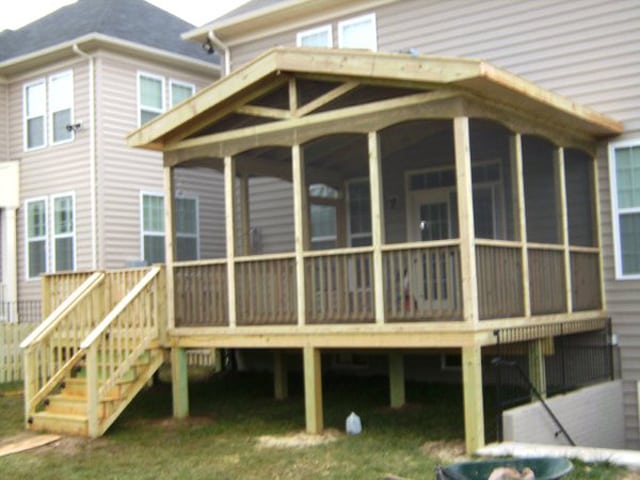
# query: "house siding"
{"type": "Point", "coordinates": [586, 50]}
{"type": "Point", "coordinates": [4, 122]}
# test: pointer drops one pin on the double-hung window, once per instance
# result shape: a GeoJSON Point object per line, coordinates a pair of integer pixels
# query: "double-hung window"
{"type": "Point", "coordinates": [63, 232]}
{"type": "Point", "coordinates": [150, 97]}
{"type": "Point", "coordinates": [359, 213]}
{"type": "Point", "coordinates": [315, 37]}
{"type": "Point", "coordinates": [36, 238]}
{"type": "Point", "coordinates": [358, 32]}
{"type": "Point", "coordinates": [179, 91]}
{"type": "Point", "coordinates": [60, 106]}
{"type": "Point", "coordinates": [35, 103]}
{"type": "Point", "coordinates": [186, 228]}
{"type": "Point", "coordinates": [624, 171]}
{"type": "Point", "coordinates": [323, 201]}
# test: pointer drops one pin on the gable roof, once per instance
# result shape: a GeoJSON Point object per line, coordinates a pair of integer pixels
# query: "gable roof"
{"type": "Point", "coordinates": [131, 20]}
{"type": "Point", "coordinates": [462, 76]}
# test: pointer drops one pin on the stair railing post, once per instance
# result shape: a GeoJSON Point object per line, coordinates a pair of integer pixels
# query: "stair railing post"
{"type": "Point", "coordinates": [29, 382]}
{"type": "Point", "coordinates": [92, 390]}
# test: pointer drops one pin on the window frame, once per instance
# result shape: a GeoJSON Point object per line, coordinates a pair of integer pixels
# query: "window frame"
{"type": "Point", "coordinates": [373, 41]}
{"type": "Point", "coordinates": [351, 236]}
{"type": "Point", "coordinates": [180, 83]}
{"type": "Point", "coordinates": [162, 108]}
{"type": "Point", "coordinates": [143, 232]}
{"type": "Point", "coordinates": [71, 235]}
{"type": "Point", "coordinates": [51, 112]}
{"type": "Point", "coordinates": [26, 117]}
{"type": "Point", "coordinates": [312, 31]}
{"type": "Point", "coordinates": [28, 239]}
{"type": "Point", "coordinates": [195, 199]}
{"type": "Point", "coordinates": [616, 212]}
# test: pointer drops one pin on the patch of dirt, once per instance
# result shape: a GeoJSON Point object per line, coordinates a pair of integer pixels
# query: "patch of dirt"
{"type": "Point", "coordinates": [170, 422]}
{"type": "Point", "coordinates": [631, 476]}
{"type": "Point", "coordinates": [445, 450]}
{"type": "Point", "coordinates": [298, 440]}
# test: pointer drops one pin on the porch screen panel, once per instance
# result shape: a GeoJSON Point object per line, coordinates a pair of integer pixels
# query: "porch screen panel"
{"type": "Point", "coordinates": [499, 272]}
{"type": "Point", "coordinates": [580, 207]}
{"type": "Point", "coordinates": [547, 281]}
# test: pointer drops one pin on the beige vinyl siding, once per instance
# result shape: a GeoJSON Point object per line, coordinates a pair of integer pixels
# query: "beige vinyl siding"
{"type": "Point", "coordinates": [53, 170]}
{"type": "Point", "coordinates": [126, 172]}
{"type": "Point", "coordinates": [4, 121]}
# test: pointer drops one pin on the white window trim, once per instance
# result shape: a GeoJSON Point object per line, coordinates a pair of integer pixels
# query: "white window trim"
{"type": "Point", "coordinates": [25, 118]}
{"type": "Point", "coordinates": [180, 83]}
{"type": "Point", "coordinates": [615, 211]}
{"type": "Point", "coordinates": [27, 239]}
{"type": "Point", "coordinates": [313, 31]}
{"type": "Point", "coordinates": [55, 236]}
{"type": "Point", "coordinates": [139, 99]}
{"type": "Point", "coordinates": [50, 109]}
{"type": "Point", "coordinates": [197, 234]}
{"type": "Point", "coordinates": [345, 23]}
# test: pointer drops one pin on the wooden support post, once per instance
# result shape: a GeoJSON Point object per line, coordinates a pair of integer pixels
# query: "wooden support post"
{"type": "Point", "coordinates": [313, 390]}
{"type": "Point", "coordinates": [230, 218]}
{"type": "Point", "coordinates": [377, 224]}
{"type": "Point", "coordinates": [396, 380]}
{"type": "Point", "coordinates": [245, 214]}
{"type": "Point", "coordinates": [563, 223]}
{"type": "Point", "coordinates": [30, 383]}
{"type": "Point", "coordinates": [280, 380]}
{"type": "Point", "coordinates": [473, 403]}
{"type": "Point", "coordinates": [299, 210]}
{"type": "Point", "coordinates": [217, 355]}
{"type": "Point", "coordinates": [169, 246]}
{"type": "Point", "coordinates": [537, 372]}
{"type": "Point", "coordinates": [465, 220]}
{"type": "Point", "coordinates": [92, 391]}
{"type": "Point", "coordinates": [597, 226]}
{"type": "Point", "coordinates": [517, 171]}
{"type": "Point", "coordinates": [179, 383]}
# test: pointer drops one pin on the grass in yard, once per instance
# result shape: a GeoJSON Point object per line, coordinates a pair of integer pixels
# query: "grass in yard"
{"type": "Point", "coordinates": [229, 414]}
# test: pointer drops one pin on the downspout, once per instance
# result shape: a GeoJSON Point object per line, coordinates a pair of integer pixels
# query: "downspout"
{"type": "Point", "coordinates": [93, 159]}
{"type": "Point", "coordinates": [227, 54]}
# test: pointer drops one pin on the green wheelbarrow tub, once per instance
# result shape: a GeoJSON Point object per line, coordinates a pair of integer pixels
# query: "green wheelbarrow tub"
{"type": "Point", "coordinates": [544, 468]}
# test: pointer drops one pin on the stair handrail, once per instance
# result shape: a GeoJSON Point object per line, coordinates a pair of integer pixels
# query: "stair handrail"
{"type": "Point", "coordinates": [61, 310]}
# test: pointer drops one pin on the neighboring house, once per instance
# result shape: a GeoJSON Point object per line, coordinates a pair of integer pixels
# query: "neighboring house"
{"type": "Point", "coordinates": [587, 51]}
{"type": "Point", "coordinates": [73, 196]}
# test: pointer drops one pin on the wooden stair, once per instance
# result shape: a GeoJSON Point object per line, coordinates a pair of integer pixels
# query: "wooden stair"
{"type": "Point", "coordinates": [66, 410]}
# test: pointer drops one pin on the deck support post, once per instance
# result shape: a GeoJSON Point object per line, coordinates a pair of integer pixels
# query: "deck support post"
{"type": "Point", "coordinates": [377, 224]}
{"type": "Point", "coordinates": [245, 215]}
{"type": "Point", "coordinates": [169, 249]}
{"type": "Point", "coordinates": [92, 392]}
{"type": "Point", "coordinates": [396, 380]}
{"type": "Point", "coordinates": [179, 383]}
{"type": "Point", "coordinates": [563, 224]}
{"type": "Point", "coordinates": [280, 380]}
{"type": "Point", "coordinates": [313, 390]}
{"type": "Point", "coordinates": [230, 216]}
{"type": "Point", "coordinates": [301, 235]}
{"type": "Point", "coordinates": [537, 371]}
{"type": "Point", "coordinates": [597, 226]}
{"type": "Point", "coordinates": [473, 403]}
{"type": "Point", "coordinates": [217, 355]}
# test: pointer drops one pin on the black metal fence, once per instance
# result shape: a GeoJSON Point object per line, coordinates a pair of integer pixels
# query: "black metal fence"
{"type": "Point", "coordinates": [21, 312]}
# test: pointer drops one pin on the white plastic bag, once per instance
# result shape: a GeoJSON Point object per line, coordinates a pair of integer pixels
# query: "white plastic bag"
{"type": "Point", "coordinates": [354, 425]}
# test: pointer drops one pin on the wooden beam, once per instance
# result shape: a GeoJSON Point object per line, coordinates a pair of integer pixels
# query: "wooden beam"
{"type": "Point", "coordinates": [299, 212]}
{"type": "Point", "coordinates": [396, 380]}
{"type": "Point", "coordinates": [293, 97]}
{"type": "Point", "coordinates": [563, 222]}
{"type": "Point", "coordinates": [230, 230]}
{"type": "Point", "coordinates": [169, 244]}
{"type": "Point", "coordinates": [517, 171]}
{"type": "Point", "coordinates": [377, 224]}
{"type": "Point", "coordinates": [466, 220]}
{"type": "Point", "coordinates": [313, 390]}
{"type": "Point", "coordinates": [245, 214]}
{"type": "Point", "coordinates": [179, 383]}
{"type": "Point", "coordinates": [473, 401]}
{"type": "Point", "coordinates": [280, 380]}
{"type": "Point", "coordinates": [537, 371]}
{"type": "Point", "coordinates": [267, 112]}
{"type": "Point", "coordinates": [326, 98]}
{"type": "Point", "coordinates": [598, 229]}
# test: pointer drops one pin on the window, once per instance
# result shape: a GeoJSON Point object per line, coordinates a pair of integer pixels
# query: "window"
{"type": "Point", "coordinates": [60, 106]}
{"type": "Point", "coordinates": [179, 91]}
{"type": "Point", "coordinates": [63, 233]}
{"type": "Point", "coordinates": [359, 213]}
{"type": "Point", "coordinates": [34, 114]}
{"type": "Point", "coordinates": [323, 208]}
{"type": "Point", "coordinates": [36, 237]}
{"type": "Point", "coordinates": [359, 32]}
{"type": "Point", "coordinates": [315, 37]}
{"type": "Point", "coordinates": [624, 171]}
{"type": "Point", "coordinates": [150, 97]}
{"type": "Point", "coordinates": [187, 230]}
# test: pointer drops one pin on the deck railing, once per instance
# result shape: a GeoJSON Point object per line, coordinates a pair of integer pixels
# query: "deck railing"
{"type": "Point", "coordinates": [499, 273]}
{"type": "Point", "coordinates": [201, 293]}
{"type": "Point", "coordinates": [547, 280]}
{"type": "Point", "coordinates": [585, 279]}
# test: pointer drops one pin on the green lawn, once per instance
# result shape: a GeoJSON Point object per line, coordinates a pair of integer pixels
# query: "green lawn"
{"type": "Point", "coordinates": [229, 413]}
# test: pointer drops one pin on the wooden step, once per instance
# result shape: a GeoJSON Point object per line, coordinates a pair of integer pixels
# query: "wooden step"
{"type": "Point", "coordinates": [73, 405]}
{"type": "Point", "coordinates": [59, 423]}
{"type": "Point", "coordinates": [77, 387]}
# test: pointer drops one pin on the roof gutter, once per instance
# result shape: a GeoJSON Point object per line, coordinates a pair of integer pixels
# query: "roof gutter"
{"type": "Point", "coordinates": [222, 46]}
{"type": "Point", "coordinates": [93, 157]}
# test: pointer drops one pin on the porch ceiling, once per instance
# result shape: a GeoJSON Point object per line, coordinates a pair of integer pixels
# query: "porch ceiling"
{"type": "Point", "coordinates": [254, 99]}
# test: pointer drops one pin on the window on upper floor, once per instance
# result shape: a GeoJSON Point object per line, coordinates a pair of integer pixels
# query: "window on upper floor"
{"type": "Point", "coordinates": [358, 32]}
{"type": "Point", "coordinates": [187, 228]}
{"type": "Point", "coordinates": [179, 91]}
{"type": "Point", "coordinates": [315, 37]}
{"type": "Point", "coordinates": [36, 237]}
{"type": "Point", "coordinates": [624, 172]}
{"type": "Point", "coordinates": [61, 107]}
{"type": "Point", "coordinates": [150, 97]}
{"type": "Point", "coordinates": [63, 233]}
{"type": "Point", "coordinates": [35, 109]}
